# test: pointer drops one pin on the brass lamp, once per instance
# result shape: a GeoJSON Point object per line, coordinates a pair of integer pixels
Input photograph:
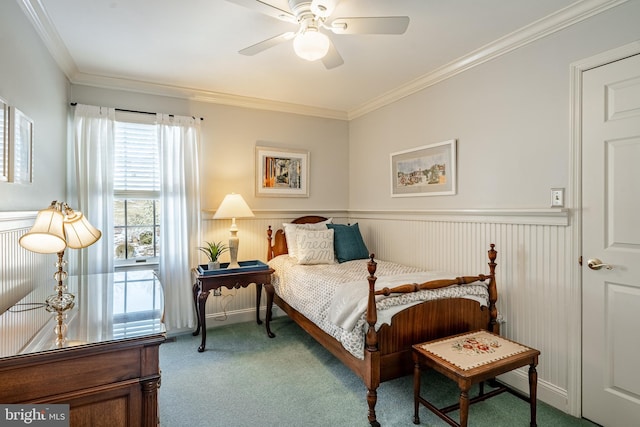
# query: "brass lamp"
{"type": "Point", "coordinates": [233, 206]}
{"type": "Point", "coordinates": [55, 229]}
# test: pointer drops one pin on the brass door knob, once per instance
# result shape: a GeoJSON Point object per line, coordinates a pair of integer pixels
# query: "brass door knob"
{"type": "Point", "coordinates": [596, 264]}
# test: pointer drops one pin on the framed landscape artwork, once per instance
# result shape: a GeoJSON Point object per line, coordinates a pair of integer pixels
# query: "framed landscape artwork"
{"type": "Point", "coordinates": [429, 170]}
{"type": "Point", "coordinates": [282, 172]}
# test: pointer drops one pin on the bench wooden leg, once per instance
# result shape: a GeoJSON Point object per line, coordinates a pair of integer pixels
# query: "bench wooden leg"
{"type": "Point", "coordinates": [464, 407]}
{"type": "Point", "coordinates": [416, 393]}
{"type": "Point", "coordinates": [533, 391]}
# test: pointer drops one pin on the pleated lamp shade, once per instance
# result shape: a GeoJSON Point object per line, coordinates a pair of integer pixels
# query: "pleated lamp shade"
{"type": "Point", "coordinates": [57, 228]}
{"type": "Point", "coordinates": [47, 234]}
{"type": "Point", "coordinates": [80, 233]}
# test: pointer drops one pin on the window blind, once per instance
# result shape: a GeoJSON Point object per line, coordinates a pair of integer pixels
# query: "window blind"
{"type": "Point", "coordinates": [137, 166]}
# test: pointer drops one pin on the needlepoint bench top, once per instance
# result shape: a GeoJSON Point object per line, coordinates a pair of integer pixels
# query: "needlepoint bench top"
{"type": "Point", "coordinates": [475, 349]}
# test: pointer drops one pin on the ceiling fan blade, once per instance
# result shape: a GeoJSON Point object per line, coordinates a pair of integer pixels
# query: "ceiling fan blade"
{"type": "Point", "coordinates": [266, 44]}
{"type": "Point", "coordinates": [266, 9]}
{"type": "Point", "coordinates": [332, 59]}
{"type": "Point", "coordinates": [373, 25]}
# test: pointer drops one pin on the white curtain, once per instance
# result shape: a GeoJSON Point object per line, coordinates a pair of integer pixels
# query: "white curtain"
{"type": "Point", "coordinates": [179, 138]}
{"type": "Point", "coordinates": [91, 184]}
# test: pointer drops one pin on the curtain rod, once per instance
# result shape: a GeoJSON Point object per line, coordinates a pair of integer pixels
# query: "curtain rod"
{"type": "Point", "coordinates": [73, 104]}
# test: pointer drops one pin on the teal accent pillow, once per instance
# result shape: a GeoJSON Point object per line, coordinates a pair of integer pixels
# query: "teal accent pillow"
{"type": "Point", "coordinates": [348, 243]}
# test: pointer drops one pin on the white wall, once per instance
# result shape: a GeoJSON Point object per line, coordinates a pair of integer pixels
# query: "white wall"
{"type": "Point", "coordinates": [511, 117]}
{"type": "Point", "coordinates": [229, 137]}
{"type": "Point", "coordinates": [31, 81]}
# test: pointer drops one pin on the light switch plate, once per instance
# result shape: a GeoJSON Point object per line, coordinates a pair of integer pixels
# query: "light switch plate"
{"type": "Point", "coordinates": [557, 197]}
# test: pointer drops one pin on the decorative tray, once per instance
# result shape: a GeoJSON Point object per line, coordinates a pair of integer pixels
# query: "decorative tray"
{"type": "Point", "coordinates": [245, 266]}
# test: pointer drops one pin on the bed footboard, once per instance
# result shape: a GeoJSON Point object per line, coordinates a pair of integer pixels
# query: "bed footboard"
{"type": "Point", "coordinates": [388, 350]}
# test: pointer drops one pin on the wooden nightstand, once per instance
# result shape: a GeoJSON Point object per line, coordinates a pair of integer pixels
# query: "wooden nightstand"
{"type": "Point", "coordinates": [235, 278]}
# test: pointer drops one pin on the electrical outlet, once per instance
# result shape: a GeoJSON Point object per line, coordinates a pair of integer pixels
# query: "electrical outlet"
{"type": "Point", "coordinates": [557, 197]}
{"type": "Point", "coordinates": [217, 292]}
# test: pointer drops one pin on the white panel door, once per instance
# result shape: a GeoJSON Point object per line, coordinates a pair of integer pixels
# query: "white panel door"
{"type": "Point", "coordinates": [611, 235]}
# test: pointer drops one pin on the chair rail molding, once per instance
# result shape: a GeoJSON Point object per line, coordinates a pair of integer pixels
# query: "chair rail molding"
{"type": "Point", "coordinates": [558, 217]}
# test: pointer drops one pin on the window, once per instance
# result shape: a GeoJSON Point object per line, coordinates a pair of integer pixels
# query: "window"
{"type": "Point", "coordinates": [136, 210]}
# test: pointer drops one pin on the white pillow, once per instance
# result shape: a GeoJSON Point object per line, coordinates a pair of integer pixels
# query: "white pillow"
{"type": "Point", "coordinates": [315, 246]}
{"type": "Point", "coordinates": [290, 233]}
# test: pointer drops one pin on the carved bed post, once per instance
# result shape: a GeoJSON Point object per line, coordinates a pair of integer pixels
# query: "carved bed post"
{"type": "Point", "coordinates": [494, 326]}
{"type": "Point", "coordinates": [269, 248]}
{"type": "Point", "coordinates": [372, 375]}
{"type": "Point", "coordinates": [372, 315]}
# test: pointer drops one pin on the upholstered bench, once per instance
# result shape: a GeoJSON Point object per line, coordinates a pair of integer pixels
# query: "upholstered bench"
{"type": "Point", "coordinates": [470, 358]}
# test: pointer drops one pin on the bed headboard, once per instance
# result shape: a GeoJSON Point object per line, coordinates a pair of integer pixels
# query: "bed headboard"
{"type": "Point", "coordinates": [278, 243]}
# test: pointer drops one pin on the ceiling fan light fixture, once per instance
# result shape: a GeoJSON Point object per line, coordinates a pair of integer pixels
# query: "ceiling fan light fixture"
{"type": "Point", "coordinates": [311, 45]}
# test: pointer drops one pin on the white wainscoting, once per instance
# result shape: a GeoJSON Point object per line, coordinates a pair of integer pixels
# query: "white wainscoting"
{"type": "Point", "coordinates": [534, 296]}
{"type": "Point", "coordinates": [533, 273]}
{"type": "Point", "coordinates": [20, 272]}
{"type": "Point", "coordinates": [534, 289]}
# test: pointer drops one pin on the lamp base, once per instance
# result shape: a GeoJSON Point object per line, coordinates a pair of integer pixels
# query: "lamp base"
{"type": "Point", "coordinates": [234, 242]}
{"type": "Point", "coordinates": [62, 301]}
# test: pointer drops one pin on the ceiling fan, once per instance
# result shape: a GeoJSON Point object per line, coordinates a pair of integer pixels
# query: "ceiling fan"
{"type": "Point", "coordinates": [313, 19]}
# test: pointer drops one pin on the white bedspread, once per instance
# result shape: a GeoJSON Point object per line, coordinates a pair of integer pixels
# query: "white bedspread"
{"type": "Point", "coordinates": [323, 293]}
{"type": "Point", "coordinates": [350, 300]}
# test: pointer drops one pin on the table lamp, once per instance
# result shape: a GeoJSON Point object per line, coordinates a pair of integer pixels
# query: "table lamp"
{"type": "Point", "coordinates": [233, 206]}
{"type": "Point", "coordinates": [55, 229]}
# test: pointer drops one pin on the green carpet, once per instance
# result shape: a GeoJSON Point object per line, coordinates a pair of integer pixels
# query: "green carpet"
{"type": "Point", "coordinates": [246, 379]}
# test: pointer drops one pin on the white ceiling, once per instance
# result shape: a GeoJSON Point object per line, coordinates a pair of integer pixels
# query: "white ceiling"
{"type": "Point", "coordinates": [190, 47]}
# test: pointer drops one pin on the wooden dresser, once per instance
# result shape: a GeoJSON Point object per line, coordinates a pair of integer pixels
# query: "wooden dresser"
{"type": "Point", "coordinates": [108, 370]}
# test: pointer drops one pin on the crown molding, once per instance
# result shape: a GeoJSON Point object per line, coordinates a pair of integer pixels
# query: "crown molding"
{"type": "Point", "coordinates": [265, 104]}
{"type": "Point", "coordinates": [191, 94]}
{"type": "Point", "coordinates": [570, 15]}
{"type": "Point", "coordinates": [35, 12]}
{"type": "Point", "coordinates": [550, 24]}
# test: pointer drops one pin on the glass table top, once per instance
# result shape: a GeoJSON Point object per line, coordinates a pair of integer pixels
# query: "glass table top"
{"type": "Point", "coordinates": [108, 307]}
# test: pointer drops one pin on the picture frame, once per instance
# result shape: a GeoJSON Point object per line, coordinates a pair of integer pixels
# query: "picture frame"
{"type": "Point", "coordinates": [21, 151]}
{"type": "Point", "coordinates": [282, 172]}
{"type": "Point", "coordinates": [428, 170]}
{"type": "Point", "coordinates": [4, 141]}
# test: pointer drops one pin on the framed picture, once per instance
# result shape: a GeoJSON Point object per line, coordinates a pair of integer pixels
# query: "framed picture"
{"type": "Point", "coordinates": [21, 147]}
{"type": "Point", "coordinates": [4, 141]}
{"type": "Point", "coordinates": [282, 172]}
{"type": "Point", "coordinates": [429, 170]}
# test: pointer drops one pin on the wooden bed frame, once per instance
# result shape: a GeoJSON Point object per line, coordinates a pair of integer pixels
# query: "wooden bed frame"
{"type": "Point", "coordinates": [387, 352]}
